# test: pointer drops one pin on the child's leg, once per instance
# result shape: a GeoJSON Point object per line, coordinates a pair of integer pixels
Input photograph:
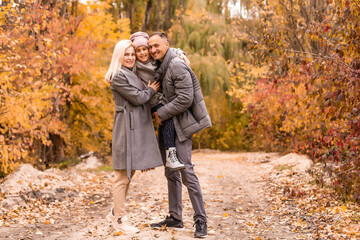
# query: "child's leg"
{"type": "Point", "coordinates": [169, 133]}
{"type": "Point", "coordinates": [172, 162]}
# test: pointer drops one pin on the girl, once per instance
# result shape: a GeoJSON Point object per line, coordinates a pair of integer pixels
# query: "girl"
{"type": "Point", "coordinates": [134, 144]}
{"type": "Point", "coordinates": [146, 68]}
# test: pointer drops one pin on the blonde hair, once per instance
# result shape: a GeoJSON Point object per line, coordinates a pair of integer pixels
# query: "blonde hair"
{"type": "Point", "coordinates": [117, 58]}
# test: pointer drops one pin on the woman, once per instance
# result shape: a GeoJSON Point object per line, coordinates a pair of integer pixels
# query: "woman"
{"type": "Point", "coordinates": [134, 144]}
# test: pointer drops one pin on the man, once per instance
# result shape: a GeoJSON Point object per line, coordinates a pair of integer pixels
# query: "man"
{"type": "Point", "coordinates": [184, 103]}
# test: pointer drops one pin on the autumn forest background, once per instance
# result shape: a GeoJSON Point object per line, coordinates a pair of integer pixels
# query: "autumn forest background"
{"type": "Point", "coordinates": [277, 75]}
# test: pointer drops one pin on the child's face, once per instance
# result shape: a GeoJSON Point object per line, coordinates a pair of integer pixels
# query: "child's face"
{"type": "Point", "coordinates": [142, 53]}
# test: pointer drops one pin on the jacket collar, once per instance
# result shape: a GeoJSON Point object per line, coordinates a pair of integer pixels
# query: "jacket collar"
{"type": "Point", "coordinates": [160, 73]}
{"type": "Point", "coordinates": [132, 78]}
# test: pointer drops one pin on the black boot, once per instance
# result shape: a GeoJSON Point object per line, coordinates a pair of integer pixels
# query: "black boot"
{"type": "Point", "coordinates": [201, 229]}
{"type": "Point", "coordinates": [169, 222]}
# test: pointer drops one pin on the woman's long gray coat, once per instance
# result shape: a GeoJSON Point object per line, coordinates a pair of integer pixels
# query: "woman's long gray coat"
{"type": "Point", "coordinates": [134, 144]}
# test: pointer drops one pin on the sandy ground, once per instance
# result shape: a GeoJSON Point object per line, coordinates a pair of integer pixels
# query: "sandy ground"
{"type": "Point", "coordinates": [239, 191]}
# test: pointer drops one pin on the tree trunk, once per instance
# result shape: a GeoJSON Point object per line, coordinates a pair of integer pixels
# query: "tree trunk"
{"type": "Point", "coordinates": [57, 148]}
{"type": "Point", "coordinates": [146, 26]}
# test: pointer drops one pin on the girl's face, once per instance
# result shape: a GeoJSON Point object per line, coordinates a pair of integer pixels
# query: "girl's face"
{"type": "Point", "coordinates": [129, 57]}
{"type": "Point", "coordinates": [142, 53]}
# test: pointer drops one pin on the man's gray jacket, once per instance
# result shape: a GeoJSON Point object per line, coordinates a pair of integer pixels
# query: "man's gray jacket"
{"type": "Point", "coordinates": [184, 100]}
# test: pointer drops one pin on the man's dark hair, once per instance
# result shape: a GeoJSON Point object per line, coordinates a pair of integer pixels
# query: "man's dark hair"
{"type": "Point", "coordinates": [161, 34]}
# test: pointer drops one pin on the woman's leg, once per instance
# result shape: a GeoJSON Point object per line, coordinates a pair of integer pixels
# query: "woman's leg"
{"type": "Point", "coordinates": [120, 189]}
{"type": "Point", "coordinates": [117, 216]}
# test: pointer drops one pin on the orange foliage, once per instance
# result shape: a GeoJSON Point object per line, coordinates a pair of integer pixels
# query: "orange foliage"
{"type": "Point", "coordinates": [310, 100]}
{"type": "Point", "coordinates": [50, 80]}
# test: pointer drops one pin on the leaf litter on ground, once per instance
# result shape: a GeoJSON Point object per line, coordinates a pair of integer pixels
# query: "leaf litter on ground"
{"type": "Point", "coordinates": [253, 199]}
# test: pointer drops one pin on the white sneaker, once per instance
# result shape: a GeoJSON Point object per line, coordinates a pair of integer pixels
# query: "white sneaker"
{"type": "Point", "coordinates": [172, 162]}
{"type": "Point", "coordinates": [124, 226]}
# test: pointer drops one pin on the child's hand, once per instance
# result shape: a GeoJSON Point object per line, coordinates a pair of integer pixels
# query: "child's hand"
{"type": "Point", "coordinates": [183, 57]}
{"type": "Point", "coordinates": [154, 85]}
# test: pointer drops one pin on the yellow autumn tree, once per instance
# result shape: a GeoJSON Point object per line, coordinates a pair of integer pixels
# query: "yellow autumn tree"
{"type": "Point", "coordinates": [54, 102]}
{"type": "Point", "coordinates": [91, 110]}
{"type": "Point", "coordinates": [217, 48]}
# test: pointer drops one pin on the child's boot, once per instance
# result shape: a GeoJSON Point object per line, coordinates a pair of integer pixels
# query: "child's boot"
{"type": "Point", "coordinates": [172, 162]}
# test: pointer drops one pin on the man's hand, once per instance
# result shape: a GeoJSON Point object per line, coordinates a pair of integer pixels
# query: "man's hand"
{"type": "Point", "coordinates": [157, 118]}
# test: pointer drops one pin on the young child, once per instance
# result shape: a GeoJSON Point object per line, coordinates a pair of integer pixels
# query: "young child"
{"type": "Point", "coordinates": [145, 68]}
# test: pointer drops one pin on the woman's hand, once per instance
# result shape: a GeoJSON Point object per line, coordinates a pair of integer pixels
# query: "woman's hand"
{"type": "Point", "coordinates": [146, 170]}
{"type": "Point", "coordinates": [154, 85]}
{"type": "Point", "coordinates": [183, 57]}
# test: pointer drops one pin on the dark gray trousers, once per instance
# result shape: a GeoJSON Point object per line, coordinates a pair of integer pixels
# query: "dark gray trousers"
{"type": "Point", "coordinates": [188, 178]}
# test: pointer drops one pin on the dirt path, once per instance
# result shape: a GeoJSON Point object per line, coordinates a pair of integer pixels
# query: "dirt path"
{"type": "Point", "coordinates": [239, 190]}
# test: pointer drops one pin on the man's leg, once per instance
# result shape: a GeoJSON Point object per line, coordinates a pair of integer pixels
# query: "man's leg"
{"type": "Point", "coordinates": [174, 192]}
{"type": "Point", "coordinates": [190, 179]}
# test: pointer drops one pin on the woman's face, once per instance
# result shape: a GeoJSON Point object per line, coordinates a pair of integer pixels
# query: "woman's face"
{"type": "Point", "coordinates": [129, 57]}
{"type": "Point", "coordinates": [142, 53]}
